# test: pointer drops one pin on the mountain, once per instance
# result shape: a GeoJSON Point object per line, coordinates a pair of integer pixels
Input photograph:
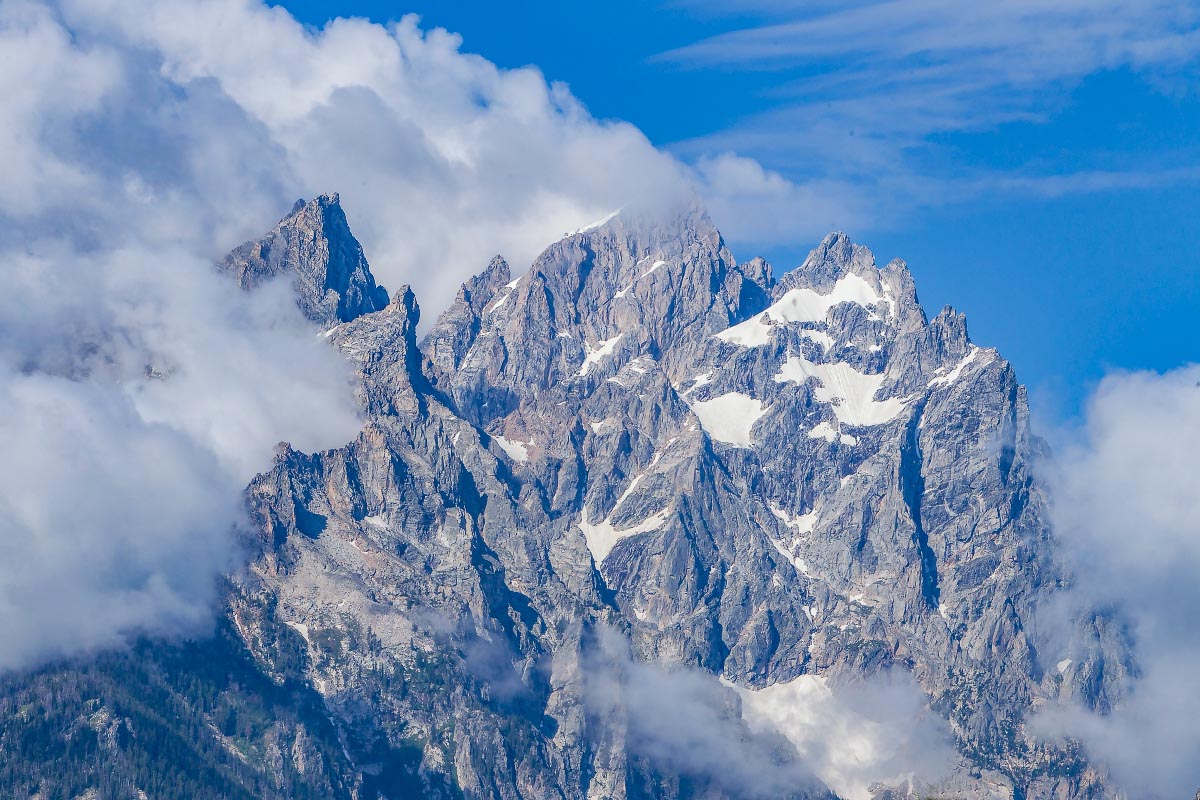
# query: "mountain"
{"type": "Point", "coordinates": [603, 521]}
{"type": "Point", "coordinates": [313, 245]}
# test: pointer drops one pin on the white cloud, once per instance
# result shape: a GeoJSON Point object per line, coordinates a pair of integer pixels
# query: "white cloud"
{"type": "Point", "coordinates": [773, 741]}
{"type": "Point", "coordinates": [760, 206]}
{"type": "Point", "coordinates": [442, 159]}
{"type": "Point", "coordinates": [685, 723]}
{"type": "Point", "coordinates": [1058, 38]}
{"type": "Point", "coordinates": [856, 736]}
{"type": "Point", "coordinates": [1128, 511]}
{"type": "Point", "coordinates": [864, 93]}
{"type": "Point", "coordinates": [142, 140]}
{"type": "Point", "coordinates": [141, 389]}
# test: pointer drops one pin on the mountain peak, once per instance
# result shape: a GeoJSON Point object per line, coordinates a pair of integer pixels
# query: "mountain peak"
{"type": "Point", "coordinates": [313, 244]}
{"type": "Point", "coordinates": [835, 257]}
{"type": "Point", "coordinates": [457, 326]}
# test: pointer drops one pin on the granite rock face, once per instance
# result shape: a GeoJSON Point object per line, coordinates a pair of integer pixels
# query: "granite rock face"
{"type": "Point", "coordinates": [313, 245]}
{"type": "Point", "coordinates": [755, 479]}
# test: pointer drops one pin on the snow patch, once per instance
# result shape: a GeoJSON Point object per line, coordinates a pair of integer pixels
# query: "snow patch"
{"type": "Point", "coordinates": [629, 288]}
{"type": "Point", "coordinates": [751, 333]}
{"type": "Point", "coordinates": [851, 393]}
{"type": "Point", "coordinates": [802, 523]}
{"type": "Point", "coordinates": [730, 417]}
{"type": "Point", "coordinates": [946, 376]}
{"type": "Point", "coordinates": [641, 365]}
{"type": "Point", "coordinates": [499, 302]}
{"type": "Point", "coordinates": [803, 305]}
{"type": "Point", "coordinates": [602, 537]}
{"type": "Point", "coordinates": [593, 354]}
{"type": "Point", "coordinates": [596, 224]}
{"type": "Point", "coordinates": [797, 561]}
{"type": "Point", "coordinates": [823, 430]}
{"type": "Point", "coordinates": [703, 379]}
{"type": "Point", "coordinates": [629, 489]}
{"type": "Point", "coordinates": [1063, 665]}
{"type": "Point", "coordinates": [300, 628]}
{"type": "Point", "coordinates": [603, 426]}
{"type": "Point", "coordinates": [657, 265]}
{"type": "Point", "coordinates": [820, 337]}
{"type": "Point", "coordinates": [806, 305]}
{"type": "Point", "coordinates": [517, 451]}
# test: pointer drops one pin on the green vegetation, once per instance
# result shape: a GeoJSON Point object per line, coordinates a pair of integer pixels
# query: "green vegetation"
{"type": "Point", "coordinates": [193, 721]}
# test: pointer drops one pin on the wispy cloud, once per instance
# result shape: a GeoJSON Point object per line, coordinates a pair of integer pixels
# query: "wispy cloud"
{"type": "Point", "coordinates": [1126, 509]}
{"type": "Point", "coordinates": [862, 93]}
{"type": "Point", "coordinates": [1029, 41]}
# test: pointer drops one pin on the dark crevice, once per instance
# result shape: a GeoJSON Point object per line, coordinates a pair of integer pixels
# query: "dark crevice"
{"type": "Point", "coordinates": [912, 485]}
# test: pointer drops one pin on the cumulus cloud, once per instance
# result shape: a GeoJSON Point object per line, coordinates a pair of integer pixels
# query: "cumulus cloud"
{"type": "Point", "coordinates": [142, 140]}
{"type": "Point", "coordinates": [141, 390]}
{"type": "Point", "coordinates": [1127, 509]}
{"type": "Point", "coordinates": [857, 735]}
{"type": "Point", "coordinates": [685, 723]}
{"type": "Point", "coordinates": [777, 741]}
{"type": "Point", "coordinates": [442, 159]}
{"type": "Point", "coordinates": [136, 406]}
{"type": "Point", "coordinates": [756, 205]}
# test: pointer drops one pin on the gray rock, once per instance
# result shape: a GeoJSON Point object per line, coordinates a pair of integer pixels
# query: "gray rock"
{"type": "Point", "coordinates": [314, 245]}
{"type": "Point", "coordinates": [761, 480]}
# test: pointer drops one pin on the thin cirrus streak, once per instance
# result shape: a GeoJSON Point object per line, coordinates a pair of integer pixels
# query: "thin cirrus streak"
{"type": "Point", "coordinates": [863, 94]}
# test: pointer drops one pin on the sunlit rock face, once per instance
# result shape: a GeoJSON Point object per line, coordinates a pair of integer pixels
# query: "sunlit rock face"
{"type": "Point", "coordinates": [313, 247]}
{"type": "Point", "coordinates": [809, 506]}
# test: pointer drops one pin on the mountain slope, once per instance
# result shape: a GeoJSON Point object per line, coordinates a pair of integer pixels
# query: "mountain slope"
{"type": "Point", "coordinates": [313, 245]}
{"type": "Point", "coordinates": [639, 452]}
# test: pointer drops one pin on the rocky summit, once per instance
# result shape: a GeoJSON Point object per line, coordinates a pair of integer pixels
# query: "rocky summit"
{"type": "Point", "coordinates": [608, 527]}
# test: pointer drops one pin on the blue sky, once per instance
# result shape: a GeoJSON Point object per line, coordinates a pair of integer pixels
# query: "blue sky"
{"type": "Point", "coordinates": [1037, 170]}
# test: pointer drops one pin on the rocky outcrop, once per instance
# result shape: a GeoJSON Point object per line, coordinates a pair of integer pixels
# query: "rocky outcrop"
{"type": "Point", "coordinates": [313, 245]}
{"type": "Point", "coordinates": [767, 481]}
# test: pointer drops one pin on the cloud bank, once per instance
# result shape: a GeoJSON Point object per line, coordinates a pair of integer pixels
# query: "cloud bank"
{"type": "Point", "coordinates": [686, 724]}
{"type": "Point", "coordinates": [778, 741]}
{"type": "Point", "coordinates": [442, 159]}
{"type": "Point", "coordinates": [140, 142]}
{"type": "Point", "coordinates": [857, 735]}
{"type": "Point", "coordinates": [1128, 512]}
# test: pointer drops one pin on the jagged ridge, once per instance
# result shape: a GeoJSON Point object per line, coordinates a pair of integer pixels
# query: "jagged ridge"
{"type": "Point", "coordinates": [768, 480]}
